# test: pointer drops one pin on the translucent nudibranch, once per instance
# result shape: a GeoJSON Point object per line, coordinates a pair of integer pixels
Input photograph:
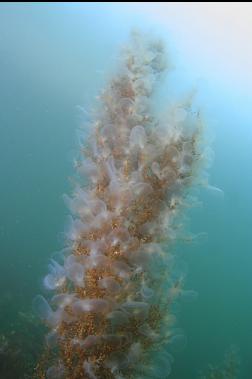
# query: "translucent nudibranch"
{"type": "Point", "coordinates": [110, 314]}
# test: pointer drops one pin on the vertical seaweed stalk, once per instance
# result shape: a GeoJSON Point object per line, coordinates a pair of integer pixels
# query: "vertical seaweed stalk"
{"type": "Point", "coordinates": [111, 312]}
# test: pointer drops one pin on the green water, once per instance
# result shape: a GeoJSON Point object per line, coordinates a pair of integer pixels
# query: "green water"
{"type": "Point", "coordinates": [54, 58]}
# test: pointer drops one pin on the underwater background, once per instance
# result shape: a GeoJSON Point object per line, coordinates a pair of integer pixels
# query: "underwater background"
{"type": "Point", "coordinates": [54, 60]}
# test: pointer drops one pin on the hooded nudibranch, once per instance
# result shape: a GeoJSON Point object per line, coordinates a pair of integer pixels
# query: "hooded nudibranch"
{"type": "Point", "coordinates": [111, 312]}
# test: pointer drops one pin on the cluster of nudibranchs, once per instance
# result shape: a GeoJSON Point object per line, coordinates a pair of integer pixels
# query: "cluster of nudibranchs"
{"type": "Point", "coordinates": [110, 315]}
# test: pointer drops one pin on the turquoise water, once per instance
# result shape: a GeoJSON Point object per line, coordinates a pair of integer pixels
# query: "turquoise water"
{"type": "Point", "coordinates": [54, 59]}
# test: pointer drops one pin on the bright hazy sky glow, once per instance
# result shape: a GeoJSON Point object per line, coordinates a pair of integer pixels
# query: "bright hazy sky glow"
{"type": "Point", "coordinates": [214, 37]}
